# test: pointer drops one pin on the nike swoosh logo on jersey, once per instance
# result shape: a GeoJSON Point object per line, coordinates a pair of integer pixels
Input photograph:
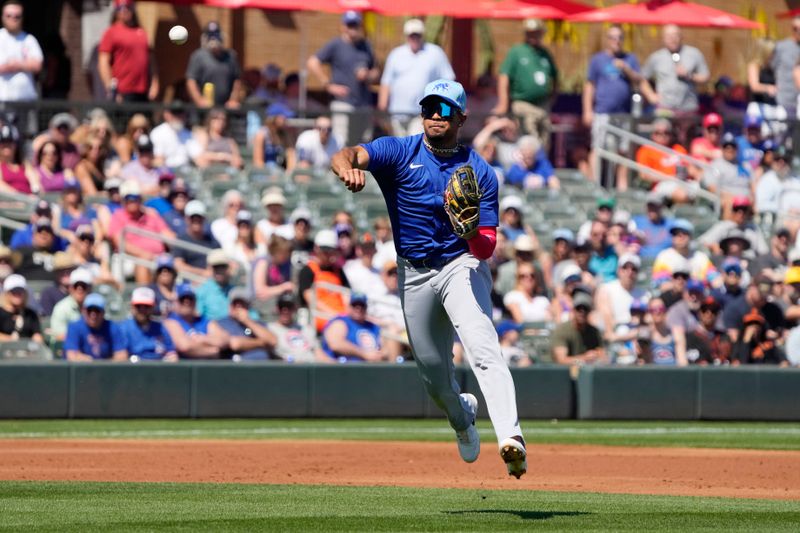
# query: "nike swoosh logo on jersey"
{"type": "Point", "coordinates": [413, 166]}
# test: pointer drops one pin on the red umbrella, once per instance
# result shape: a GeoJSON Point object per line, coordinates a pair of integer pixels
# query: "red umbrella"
{"type": "Point", "coordinates": [659, 12]}
{"type": "Point", "coordinates": [789, 14]}
{"type": "Point", "coordinates": [540, 9]}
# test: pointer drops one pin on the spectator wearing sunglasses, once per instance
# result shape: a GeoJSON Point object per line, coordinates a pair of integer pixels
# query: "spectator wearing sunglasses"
{"type": "Point", "coordinates": [189, 330]}
{"type": "Point", "coordinates": [663, 163]}
{"type": "Point", "coordinates": [145, 338]}
{"type": "Point", "coordinates": [69, 309]}
{"type": "Point", "coordinates": [315, 147]}
{"type": "Point", "coordinates": [661, 345]}
{"type": "Point", "coordinates": [17, 319]}
{"type": "Point", "coordinates": [21, 57]}
{"type": "Point", "coordinates": [614, 300]}
{"type": "Point", "coordinates": [741, 219]}
{"type": "Point", "coordinates": [92, 337]}
{"type": "Point", "coordinates": [248, 339]}
{"type": "Point", "coordinates": [59, 131]}
{"type": "Point", "coordinates": [700, 266]}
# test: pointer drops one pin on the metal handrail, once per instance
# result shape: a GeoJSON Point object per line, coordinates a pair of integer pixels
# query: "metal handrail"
{"type": "Point", "coordinates": [11, 223]}
{"type": "Point", "coordinates": [613, 157]}
{"type": "Point", "coordinates": [177, 243]}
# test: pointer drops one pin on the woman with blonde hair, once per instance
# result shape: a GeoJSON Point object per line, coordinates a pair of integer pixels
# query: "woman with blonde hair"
{"type": "Point", "coordinates": [214, 145]}
{"type": "Point", "coordinates": [124, 145]}
{"type": "Point", "coordinates": [761, 82]}
{"type": "Point", "coordinates": [90, 170]}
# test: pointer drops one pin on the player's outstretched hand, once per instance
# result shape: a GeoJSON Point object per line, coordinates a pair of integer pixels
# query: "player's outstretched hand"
{"type": "Point", "coordinates": [353, 179]}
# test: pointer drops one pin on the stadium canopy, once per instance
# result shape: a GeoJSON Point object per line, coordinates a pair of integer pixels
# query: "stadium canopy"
{"type": "Point", "coordinates": [789, 14]}
{"type": "Point", "coordinates": [660, 12]}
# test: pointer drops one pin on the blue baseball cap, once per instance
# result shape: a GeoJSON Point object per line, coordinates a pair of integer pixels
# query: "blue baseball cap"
{"type": "Point", "coordinates": [450, 91]}
{"type": "Point", "coordinates": [768, 145]}
{"type": "Point", "coordinates": [165, 261]}
{"type": "Point", "coordinates": [358, 298]}
{"type": "Point", "coordinates": [681, 224]}
{"type": "Point", "coordinates": [728, 139]}
{"type": "Point", "coordinates": [505, 326]}
{"type": "Point", "coordinates": [351, 17]}
{"type": "Point", "coordinates": [695, 286]}
{"type": "Point", "coordinates": [95, 300]}
{"type": "Point", "coordinates": [280, 109]}
{"type": "Point", "coordinates": [732, 264]}
{"type": "Point", "coordinates": [752, 121]}
{"type": "Point", "coordinates": [565, 234]}
{"type": "Point", "coordinates": [184, 290]}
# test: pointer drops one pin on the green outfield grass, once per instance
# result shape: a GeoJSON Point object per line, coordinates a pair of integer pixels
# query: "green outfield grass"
{"type": "Point", "coordinates": [195, 507]}
{"type": "Point", "coordinates": [756, 435]}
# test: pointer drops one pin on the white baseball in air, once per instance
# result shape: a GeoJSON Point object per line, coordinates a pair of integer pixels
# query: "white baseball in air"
{"type": "Point", "coordinates": [178, 34]}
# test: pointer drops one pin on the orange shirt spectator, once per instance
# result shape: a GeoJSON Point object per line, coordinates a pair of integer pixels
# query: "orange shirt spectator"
{"type": "Point", "coordinates": [659, 161]}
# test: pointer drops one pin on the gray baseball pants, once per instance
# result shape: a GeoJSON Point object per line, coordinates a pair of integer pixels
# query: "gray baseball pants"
{"type": "Point", "coordinates": [457, 296]}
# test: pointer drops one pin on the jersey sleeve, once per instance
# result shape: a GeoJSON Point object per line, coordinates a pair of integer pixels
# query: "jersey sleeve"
{"type": "Point", "coordinates": [169, 346]}
{"type": "Point", "coordinates": [385, 153]}
{"type": "Point", "coordinates": [71, 341]}
{"type": "Point", "coordinates": [487, 180]}
{"type": "Point", "coordinates": [118, 341]}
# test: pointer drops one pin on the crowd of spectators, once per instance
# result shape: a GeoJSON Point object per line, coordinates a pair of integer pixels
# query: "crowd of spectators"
{"type": "Point", "coordinates": [623, 289]}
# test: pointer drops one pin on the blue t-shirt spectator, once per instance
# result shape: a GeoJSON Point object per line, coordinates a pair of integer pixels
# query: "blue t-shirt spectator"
{"type": "Point", "coordinates": [175, 220]}
{"type": "Point", "coordinates": [656, 235]}
{"type": "Point", "coordinates": [153, 342]}
{"type": "Point", "coordinates": [749, 154]}
{"type": "Point", "coordinates": [541, 166]}
{"type": "Point", "coordinates": [365, 335]}
{"type": "Point", "coordinates": [100, 343]}
{"type": "Point", "coordinates": [24, 237]}
{"type": "Point", "coordinates": [69, 222]}
{"type": "Point", "coordinates": [160, 204]}
{"type": "Point", "coordinates": [612, 89]}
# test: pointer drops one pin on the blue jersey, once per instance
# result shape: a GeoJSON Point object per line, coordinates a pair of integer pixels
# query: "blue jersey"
{"type": "Point", "coordinates": [413, 180]}
{"type": "Point", "coordinates": [365, 335]}
{"type": "Point", "coordinates": [199, 326]}
{"type": "Point", "coordinates": [100, 343]}
{"type": "Point", "coordinates": [152, 343]}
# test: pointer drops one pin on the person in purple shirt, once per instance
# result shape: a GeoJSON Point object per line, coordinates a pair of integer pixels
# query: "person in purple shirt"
{"type": "Point", "coordinates": [655, 227]}
{"type": "Point", "coordinates": [610, 83]}
{"type": "Point", "coordinates": [534, 170]}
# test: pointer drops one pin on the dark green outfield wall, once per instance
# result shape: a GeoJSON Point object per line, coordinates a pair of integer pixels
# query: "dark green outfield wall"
{"type": "Point", "coordinates": [214, 389]}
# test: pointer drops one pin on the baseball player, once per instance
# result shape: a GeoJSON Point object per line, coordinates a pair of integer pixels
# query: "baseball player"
{"type": "Point", "coordinates": [442, 201]}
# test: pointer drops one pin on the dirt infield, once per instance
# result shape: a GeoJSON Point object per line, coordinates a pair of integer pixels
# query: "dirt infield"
{"type": "Point", "coordinates": [676, 471]}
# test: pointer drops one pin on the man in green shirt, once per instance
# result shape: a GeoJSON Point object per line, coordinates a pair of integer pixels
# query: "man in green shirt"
{"type": "Point", "coordinates": [69, 309]}
{"type": "Point", "coordinates": [529, 80]}
{"type": "Point", "coordinates": [577, 341]}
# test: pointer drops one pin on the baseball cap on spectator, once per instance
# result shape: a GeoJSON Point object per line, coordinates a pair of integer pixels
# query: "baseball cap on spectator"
{"type": "Point", "coordinates": [351, 18]}
{"type": "Point", "coordinates": [286, 300]}
{"type": "Point", "coordinates": [61, 120]}
{"type": "Point", "coordinates": [300, 213]}
{"type": "Point", "coordinates": [712, 119]}
{"type": "Point", "coordinates": [695, 286]}
{"type": "Point", "coordinates": [195, 208]}
{"type": "Point", "coordinates": [564, 234]}
{"type": "Point", "coordinates": [524, 243]}
{"type": "Point", "coordinates": [213, 31]}
{"type": "Point", "coordinates": [621, 218]}
{"type": "Point", "coordinates": [112, 183]}
{"type": "Point", "coordinates": [571, 273]}
{"type": "Point", "coordinates": [358, 298]}
{"type": "Point", "coordinates": [729, 139]}
{"type": "Point", "coordinates": [63, 261]}
{"type": "Point", "coordinates": [630, 259]}
{"type": "Point", "coordinates": [506, 326]}
{"type": "Point", "coordinates": [166, 175]}
{"type": "Point", "coordinates": [43, 208]}
{"type": "Point", "coordinates": [326, 238]}
{"type": "Point", "coordinates": [741, 201]}
{"type": "Point", "coordinates": [581, 299]}
{"type": "Point", "coordinates": [279, 109]}
{"type": "Point", "coordinates": [217, 257]}
{"type": "Point", "coordinates": [732, 264]}
{"type": "Point", "coordinates": [8, 133]}
{"type": "Point", "coordinates": [44, 223]}
{"type": "Point", "coordinates": [271, 72]}
{"type": "Point", "coordinates": [752, 121]}
{"type": "Point", "coordinates": [681, 224]}
{"type": "Point", "coordinates": [130, 188]}
{"type": "Point", "coordinates": [94, 301]}
{"type": "Point", "coordinates": [84, 230]}
{"type": "Point", "coordinates": [607, 203]}
{"type": "Point", "coordinates": [71, 185]}
{"type": "Point", "coordinates": [511, 202]}
{"type": "Point", "coordinates": [81, 275]}
{"type": "Point", "coordinates": [654, 198]}
{"type": "Point", "coordinates": [753, 317]}
{"type": "Point", "coordinates": [792, 275]}
{"type": "Point", "coordinates": [244, 216]}
{"type": "Point", "coordinates": [14, 281]}
{"type": "Point", "coordinates": [794, 255]}
{"type": "Point", "coordinates": [638, 306]}
{"type": "Point", "coordinates": [239, 294]}
{"type": "Point", "coordinates": [709, 303]}
{"type": "Point", "coordinates": [184, 290]}
{"type": "Point", "coordinates": [768, 145]}
{"type": "Point", "coordinates": [734, 234]}
{"type": "Point", "coordinates": [414, 27]}
{"type": "Point", "coordinates": [533, 25]}
{"type": "Point", "coordinates": [783, 232]}
{"type": "Point", "coordinates": [273, 196]}
{"type": "Point", "coordinates": [681, 266]}
{"type": "Point", "coordinates": [143, 296]}
{"type": "Point", "coordinates": [449, 91]}
{"type": "Point", "coordinates": [144, 144]}
{"type": "Point", "coordinates": [165, 261]}
{"type": "Point", "coordinates": [343, 228]}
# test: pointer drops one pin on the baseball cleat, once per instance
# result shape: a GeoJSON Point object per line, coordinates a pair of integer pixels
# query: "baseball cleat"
{"type": "Point", "coordinates": [512, 450]}
{"type": "Point", "coordinates": [469, 442]}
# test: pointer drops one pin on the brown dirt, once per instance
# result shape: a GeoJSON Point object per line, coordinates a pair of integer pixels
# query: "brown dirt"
{"type": "Point", "coordinates": [677, 471]}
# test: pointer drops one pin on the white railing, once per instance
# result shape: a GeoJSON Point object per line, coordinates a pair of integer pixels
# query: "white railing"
{"type": "Point", "coordinates": [624, 135]}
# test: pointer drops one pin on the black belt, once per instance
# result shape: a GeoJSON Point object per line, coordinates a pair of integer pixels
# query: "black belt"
{"type": "Point", "coordinates": [432, 263]}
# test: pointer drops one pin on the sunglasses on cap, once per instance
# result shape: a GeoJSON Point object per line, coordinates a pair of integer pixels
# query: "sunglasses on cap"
{"type": "Point", "coordinates": [438, 107]}
{"type": "Point", "coordinates": [81, 285]}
